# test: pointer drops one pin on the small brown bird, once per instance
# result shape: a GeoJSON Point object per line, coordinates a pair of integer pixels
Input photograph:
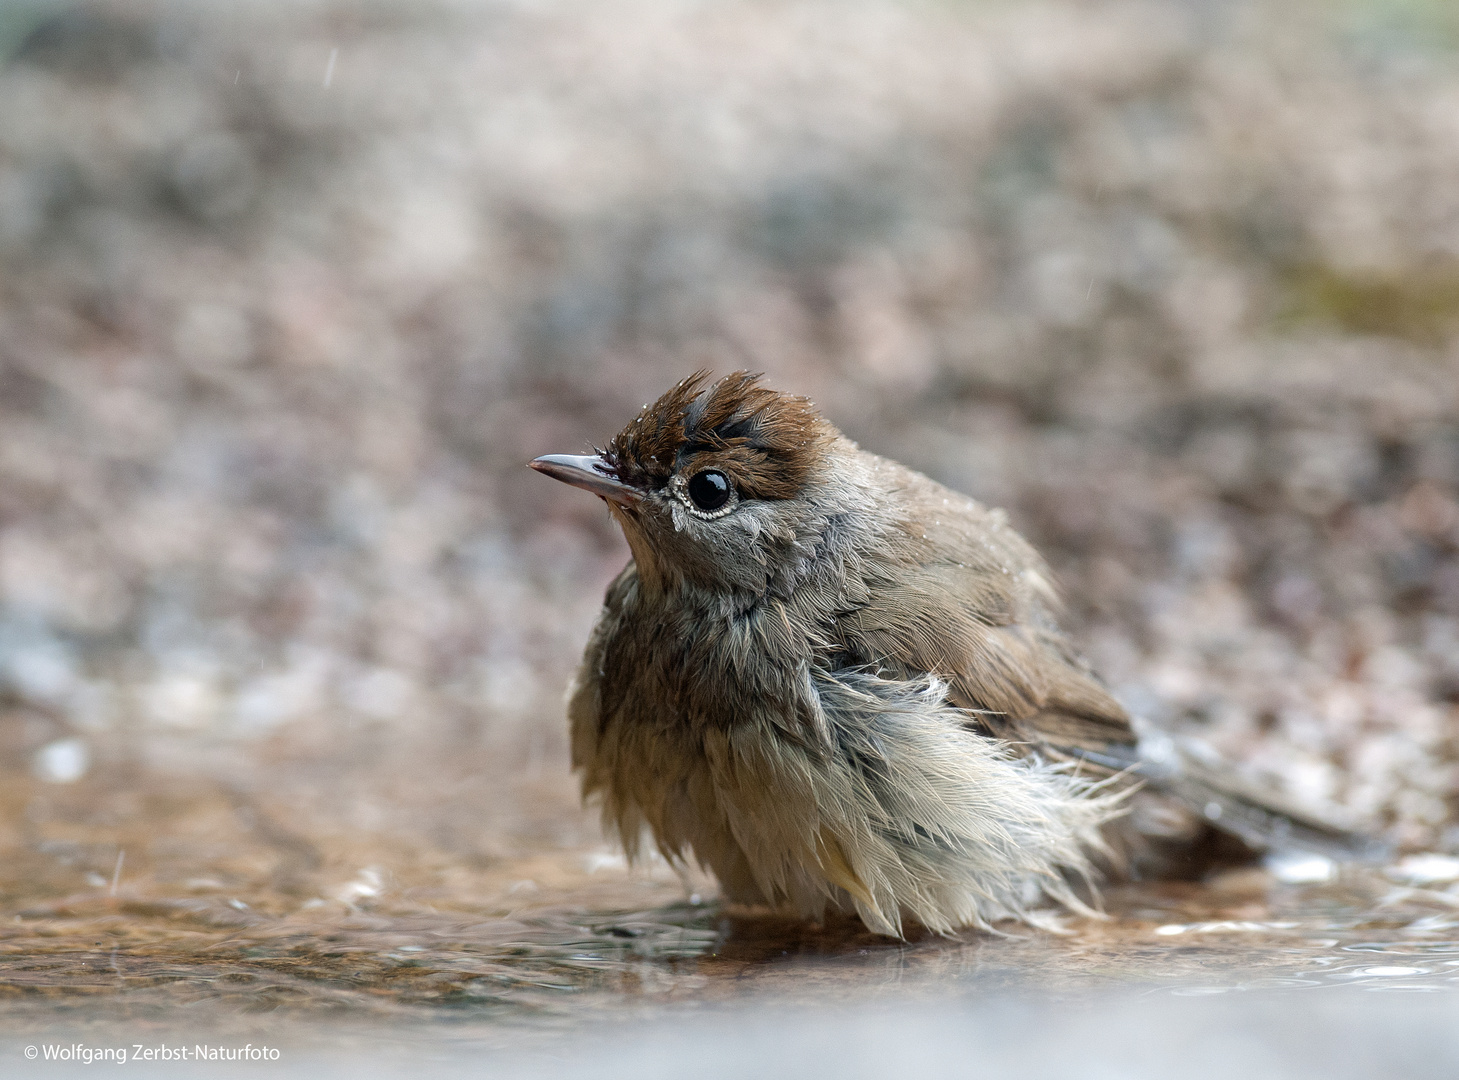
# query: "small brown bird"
{"type": "Point", "coordinates": [838, 684]}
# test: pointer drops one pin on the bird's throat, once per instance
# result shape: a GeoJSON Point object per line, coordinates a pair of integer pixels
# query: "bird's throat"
{"type": "Point", "coordinates": [652, 574]}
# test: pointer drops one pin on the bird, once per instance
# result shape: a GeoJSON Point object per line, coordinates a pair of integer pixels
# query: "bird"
{"type": "Point", "coordinates": [842, 687]}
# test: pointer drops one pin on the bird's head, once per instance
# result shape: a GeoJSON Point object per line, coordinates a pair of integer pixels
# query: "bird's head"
{"type": "Point", "coordinates": [716, 484]}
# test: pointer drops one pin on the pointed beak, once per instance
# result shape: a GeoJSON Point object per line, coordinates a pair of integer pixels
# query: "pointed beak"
{"type": "Point", "coordinates": [588, 472]}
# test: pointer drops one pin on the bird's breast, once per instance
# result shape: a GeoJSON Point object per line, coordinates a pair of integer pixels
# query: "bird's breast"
{"type": "Point", "coordinates": [711, 664]}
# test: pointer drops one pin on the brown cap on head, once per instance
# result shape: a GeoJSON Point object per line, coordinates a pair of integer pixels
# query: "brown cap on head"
{"type": "Point", "coordinates": [767, 443]}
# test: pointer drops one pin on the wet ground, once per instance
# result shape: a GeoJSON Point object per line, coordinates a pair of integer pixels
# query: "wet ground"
{"type": "Point", "coordinates": [602, 941]}
{"type": "Point", "coordinates": [536, 959]}
{"type": "Point", "coordinates": [362, 919]}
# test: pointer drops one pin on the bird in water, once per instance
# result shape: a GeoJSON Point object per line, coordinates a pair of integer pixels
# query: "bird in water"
{"type": "Point", "coordinates": [841, 686]}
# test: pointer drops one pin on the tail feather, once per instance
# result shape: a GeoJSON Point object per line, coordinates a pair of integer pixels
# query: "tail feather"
{"type": "Point", "coordinates": [1260, 817]}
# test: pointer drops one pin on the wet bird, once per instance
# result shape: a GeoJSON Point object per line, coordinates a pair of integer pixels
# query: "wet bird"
{"type": "Point", "coordinates": [839, 685]}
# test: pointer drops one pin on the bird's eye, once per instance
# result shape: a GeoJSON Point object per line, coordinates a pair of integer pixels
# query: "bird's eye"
{"type": "Point", "coordinates": [710, 490]}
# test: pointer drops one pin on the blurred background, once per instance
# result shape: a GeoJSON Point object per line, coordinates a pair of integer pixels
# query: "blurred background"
{"type": "Point", "coordinates": [290, 293]}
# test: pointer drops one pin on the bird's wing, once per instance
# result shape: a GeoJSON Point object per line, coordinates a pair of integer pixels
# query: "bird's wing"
{"type": "Point", "coordinates": [958, 594]}
{"type": "Point", "coordinates": [1017, 682]}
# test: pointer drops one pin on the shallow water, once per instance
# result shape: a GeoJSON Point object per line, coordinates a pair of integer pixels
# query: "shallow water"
{"type": "Point", "coordinates": [601, 942]}
{"type": "Point", "coordinates": [233, 919]}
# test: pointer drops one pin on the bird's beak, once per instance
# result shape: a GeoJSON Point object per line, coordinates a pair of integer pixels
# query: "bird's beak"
{"type": "Point", "coordinates": [589, 472]}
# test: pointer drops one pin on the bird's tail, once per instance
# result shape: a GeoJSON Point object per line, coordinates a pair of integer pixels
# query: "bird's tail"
{"type": "Point", "coordinates": [1262, 819]}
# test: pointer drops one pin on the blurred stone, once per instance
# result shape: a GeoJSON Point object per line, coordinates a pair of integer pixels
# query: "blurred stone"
{"type": "Point", "coordinates": [215, 176]}
{"type": "Point", "coordinates": [62, 762]}
{"type": "Point", "coordinates": [1300, 868]}
{"type": "Point", "coordinates": [1425, 869]}
{"type": "Point", "coordinates": [211, 336]}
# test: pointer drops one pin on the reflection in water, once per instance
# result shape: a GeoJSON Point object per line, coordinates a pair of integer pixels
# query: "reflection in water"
{"type": "Point", "coordinates": [246, 911]}
{"type": "Point", "coordinates": [539, 956]}
{"type": "Point", "coordinates": [241, 918]}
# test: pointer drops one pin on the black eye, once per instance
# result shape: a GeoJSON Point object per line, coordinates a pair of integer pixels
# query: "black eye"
{"type": "Point", "coordinates": [710, 490]}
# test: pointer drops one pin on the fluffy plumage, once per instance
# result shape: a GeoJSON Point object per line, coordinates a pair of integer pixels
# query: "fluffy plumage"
{"type": "Point", "coordinates": [845, 686]}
